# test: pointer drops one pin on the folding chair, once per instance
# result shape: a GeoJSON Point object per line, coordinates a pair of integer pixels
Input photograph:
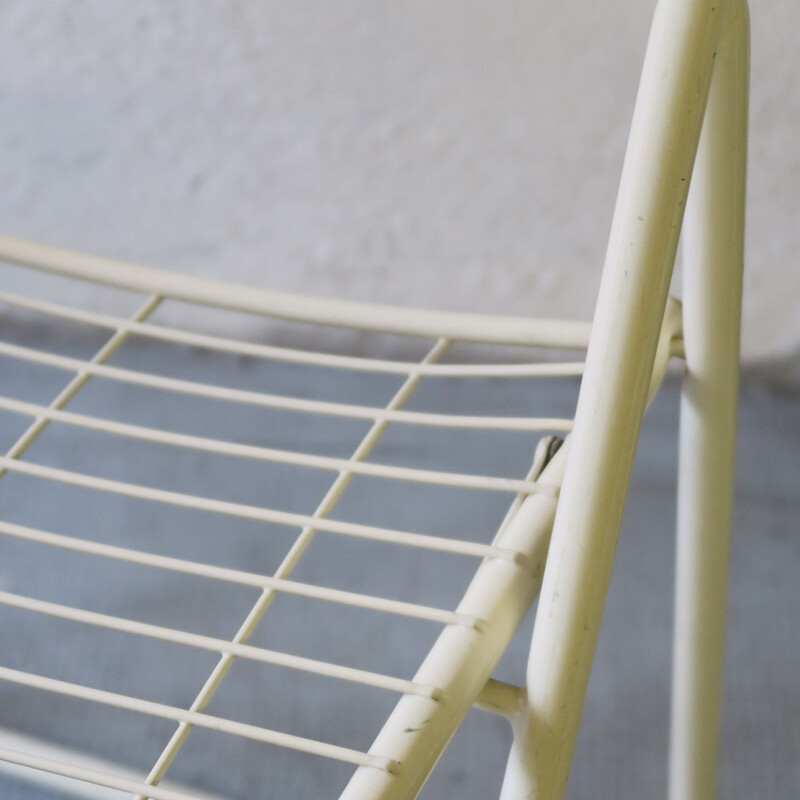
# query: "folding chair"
{"type": "Point", "coordinates": [560, 533]}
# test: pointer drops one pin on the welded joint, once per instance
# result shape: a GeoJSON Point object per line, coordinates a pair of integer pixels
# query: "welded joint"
{"type": "Point", "coordinates": [499, 697]}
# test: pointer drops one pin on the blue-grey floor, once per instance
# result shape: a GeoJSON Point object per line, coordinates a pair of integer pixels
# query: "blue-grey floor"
{"type": "Point", "coordinates": [621, 753]}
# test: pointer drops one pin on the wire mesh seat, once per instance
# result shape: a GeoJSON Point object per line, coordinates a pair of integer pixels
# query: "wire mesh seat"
{"type": "Point", "coordinates": [407, 376]}
{"type": "Point", "coordinates": [549, 521]}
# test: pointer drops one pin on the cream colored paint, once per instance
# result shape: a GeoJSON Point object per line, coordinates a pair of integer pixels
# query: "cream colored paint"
{"type": "Point", "coordinates": [463, 155]}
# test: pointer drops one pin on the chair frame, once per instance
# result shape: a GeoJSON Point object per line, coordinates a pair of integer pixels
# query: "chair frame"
{"type": "Point", "coordinates": [690, 122]}
{"type": "Point", "coordinates": [691, 42]}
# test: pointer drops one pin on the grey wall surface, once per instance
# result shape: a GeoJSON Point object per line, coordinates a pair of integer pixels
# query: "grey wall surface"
{"type": "Point", "coordinates": [458, 155]}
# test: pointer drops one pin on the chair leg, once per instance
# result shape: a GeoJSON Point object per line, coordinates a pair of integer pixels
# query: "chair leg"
{"type": "Point", "coordinates": [633, 291]}
{"type": "Point", "coordinates": [712, 270]}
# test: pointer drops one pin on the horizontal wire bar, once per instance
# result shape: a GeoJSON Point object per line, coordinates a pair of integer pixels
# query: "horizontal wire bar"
{"type": "Point", "coordinates": [285, 569]}
{"type": "Point", "coordinates": [92, 776]}
{"type": "Point", "coordinates": [285, 305]}
{"type": "Point", "coordinates": [221, 724]}
{"type": "Point", "coordinates": [239, 577]}
{"type": "Point", "coordinates": [286, 403]}
{"type": "Point", "coordinates": [293, 355]}
{"type": "Point", "coordinates": [38, 426]}
{"type": "Point", "coordinates": [242, 511]}
{"type": "Point", "coordinates": [453, 479]}
{"type": "Point", "coordinates": [351, 674]}
{"type": "Point", "coordinates": [64, 787]}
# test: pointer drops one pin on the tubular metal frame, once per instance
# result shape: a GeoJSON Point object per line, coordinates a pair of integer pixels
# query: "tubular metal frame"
{"type": "Point", "coordinates": [560, 532]}
{"type": "Point", "coordinates": [690, 40]}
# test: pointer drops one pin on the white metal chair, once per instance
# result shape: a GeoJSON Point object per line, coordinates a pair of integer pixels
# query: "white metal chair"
{"type": "Point", "coordinates": [560, 533]}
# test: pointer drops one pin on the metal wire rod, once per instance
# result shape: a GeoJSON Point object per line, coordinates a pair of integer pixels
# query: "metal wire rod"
{"type": "Point", "coordinates": [242, 511]}
{"type": "Point", "coordinates": [93, 776]}
{"type": "Point", "coordinates": [461, 662]}
{"type": "Point", "coordinates": [499, 697]}
{"type": "Point", "coordinates": [293, 355]}
{"type": "Point", "coordinates": [284, 305]}
{"type": "Point", "coordinates": [290, 561]}
{"type": "Point", "coordinates": [283, 585]}
{"type": "Point", "coordinates": [221, 724]}
{"type": "Point", "coordinates": [297, 404]}
{"type": "Point", "coordinates": [205, 444]}
{"type": "Point", "coordinates": [79, 381]}
{"type": "Point", "coordinates": [63, 786]}
{"type": "Point", "coordinates": [351, 674]}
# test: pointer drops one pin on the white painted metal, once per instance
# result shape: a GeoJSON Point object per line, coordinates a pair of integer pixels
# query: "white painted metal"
{"type": "Point", "coordinates": [287, 566]}
{"type": "Point", "coordinates": [320, 311]}
{"type": "Point", "coordinates": [635, 332]}
{"type": "Point", "coordinates": [271, 352]}
{"type": "Point", "coordinates": [298, 404]}
{"type": "Point", "coordinates": [671, 334]}
{"type": "Point", "coordinates": [364, 677]}
{"type": "Point", "coordinates": [79, 381]}
{"type": "Point", "coordinates": [65, 757]}
{"type": "Point", "coordinates": [461, 660]}
{"type": "Point", "coordinates": [712, 260]}
{"type": "Point", "coordinates": [498, 697]}
{"type": "Point", "coordinates": [266, 582]}
{"type": "Point", "coordinates": [242, 511]}
{"type": "Point", "coordinates": [272, 584]}
{"type": "Point", "coordinates": [641, 252]}
{"type": "Point", "coordinates": [198, 719]}
{"type": "Point", "coordinates": [270, 454]}
{"type": "Point", "coordinates": [88, 776]}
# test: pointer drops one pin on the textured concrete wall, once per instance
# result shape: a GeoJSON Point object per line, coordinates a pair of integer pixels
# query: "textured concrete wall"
{"type": "Point", "coordinates": [464, 155]}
